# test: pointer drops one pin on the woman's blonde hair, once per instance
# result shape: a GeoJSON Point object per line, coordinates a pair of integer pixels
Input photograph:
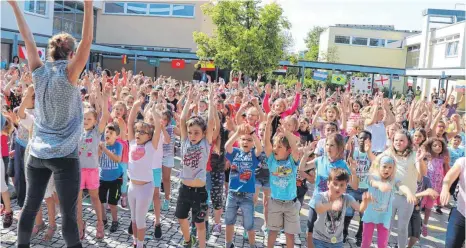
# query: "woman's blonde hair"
{"type": "Point", "coordinates": [61, 46]}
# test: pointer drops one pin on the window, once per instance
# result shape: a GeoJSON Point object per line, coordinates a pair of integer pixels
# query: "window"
{"type": "Point", "coordinates": [394, 44]}
{"type": "Point", "coordinates": [342, 39]}
{"type": "Point", "coordinates": [452, 49]}
{"type": "Point", "coordinates": [68, 17]}
{"type": "Point", "coordinates": [115, 8]}
{"type": "Point", "coordinates": [183, 10]}
{"type": "Point", "coordinates": [414, 48]}
{"type": "Point", "coordinates": [151, 9]}
{"type": "Point", "coordinates": [137, 8]}
{"type": "Point", "coordinates": [456, 36]}
{"type": "Point", "coordinates": [36, 7]}
{"type": "Point", "coordinates": [159, 9]}
{"type": "Point", "coordinates": [359, 41]}
{"type": "Point", "coordinates": [376, 42]}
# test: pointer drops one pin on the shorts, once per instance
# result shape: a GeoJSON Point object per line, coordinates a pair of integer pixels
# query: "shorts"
{"type": "Point", "coordinates": [3, 186]}
{"type": "Point", "coordinates": [243, 201]}
{"type": "Point", "coordinates": [322, 244]}
{"type": "Point", "coordinates": [227, 175]}
{"type": "Point", "coordinates": [90, 178]}
{"type": "Point", "coordinates": [113, 189]}
{"type": "Point", "coordinates": [194, 200]}
{"type": "Point", "coordinates": [284, 215]}
{"type": "Point", "coordinates": [312, 219]}
{"type": "Point", "coordinates": [260, 183]}
{"type": "Point", "coordinates": [157, 175]}
{"type": "Point", "coordinates": [415, 223]}
{"type": "Point", "coordinates": [168, 161]}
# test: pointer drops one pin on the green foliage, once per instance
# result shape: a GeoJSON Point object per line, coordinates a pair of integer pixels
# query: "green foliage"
{"type": "Point", "coordinates": [247, 37]}
{"type": "Point", "coordinates": [312, 43]}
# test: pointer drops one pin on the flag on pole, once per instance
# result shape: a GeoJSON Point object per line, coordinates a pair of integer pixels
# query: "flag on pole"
{"type": "Point", "coordinates": [320, 75]}
{"type": "Point", "coordinates": [178, 64]}
{"type": "Point", "coordinates": [124, 59]}
{"type": "Point", "coordinates": [22, 53]}
{"type": "Point", "coordinates": [339, 79]}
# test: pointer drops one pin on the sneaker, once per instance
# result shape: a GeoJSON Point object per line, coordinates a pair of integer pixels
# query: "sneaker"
{"type": "Point", "coordinates": [7, 219]}
{"type": "Point", "coordinates": [245, 235]}
{"type": "Point", "coordinates": [217, 230]}
{"type": "Point", "coordinates": [232, 245]}
{"type": "Point", "coordinates": [158, 231]}
{"type": "Point", "coordinates": [438, 210]}
{"type": "Point", "coordinates": [424, 231]}
{"type": "Point", "coordinates": [297, 240]}
{"type": "Point", "coordinates": [130, 228]}
{"type": "Point", "coordinates": [165, 205]}
{"type": "Point", "coordinates": [189, 244]}
{"type": "Point", "coordinates": [114, 226]}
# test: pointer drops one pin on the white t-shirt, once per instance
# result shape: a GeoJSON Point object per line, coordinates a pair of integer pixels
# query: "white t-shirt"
{"type": "Point", "coordinates": [143, 158]}
{"type": "Point", "coordinates": [406, 170]}
{"type": "Point", "coordinates": [379, 135]}
{"type": "Point", "coordinates": [461, 162]}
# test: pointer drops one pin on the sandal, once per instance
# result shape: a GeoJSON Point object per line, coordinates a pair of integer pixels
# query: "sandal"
{"type": "Point", "coordinates": [82, 231]}
{"type": "Point", "coordinates": [100, 232]}
{"type": "Point", "coordinates": [37, 229]}
{"type": "Point", "coordinates": [50, 232]}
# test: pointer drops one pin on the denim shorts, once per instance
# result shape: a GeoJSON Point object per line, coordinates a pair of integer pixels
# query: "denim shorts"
{"type": "Point", "coordinates": [245, 202]}
{"type": "Point", "coordinates": [262, 184]}
{"type": "Point", "coordinates": [323, 244]}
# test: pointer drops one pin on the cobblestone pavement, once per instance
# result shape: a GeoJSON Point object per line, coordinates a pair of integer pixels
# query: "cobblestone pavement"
{"type": "Point", "coordinates": [172, 236]}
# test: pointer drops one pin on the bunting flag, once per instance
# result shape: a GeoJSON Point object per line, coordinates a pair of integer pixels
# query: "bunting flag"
{"type": "Point", "coordinates": [124, 59]}
{"type": "Point", "coordinates": [22, 53]}
{"type": "Point", "coordinates": [320, 75]}
{"type": "Point", "coordinates": [339, 79]}
{"type": "Point", "coordinates": [178, 64]}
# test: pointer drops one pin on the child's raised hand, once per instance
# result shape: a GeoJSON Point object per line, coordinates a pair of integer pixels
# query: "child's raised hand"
{"type": "Point", "coordinates": [271, 115]}
{"type": "Point", "coordinates": [337, 205]}
{"type": "Point", "coordinates": [366, 197]}
{"type": "Point", "coordinates": [138, 102]}
{"type": "Point", "coordinates": [309, 148]}
{"type": "Point", "coordinates": [298, 87]}
{"type": "Point", "coordinates": [268, 89]}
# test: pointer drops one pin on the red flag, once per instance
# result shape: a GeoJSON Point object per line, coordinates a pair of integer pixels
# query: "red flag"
{"type": "Point", "coordinates": [125, 59]}
{"type": "Point", "coordinates": [22, 52]}
{"type": "Point", "coordinates": [178, 63]}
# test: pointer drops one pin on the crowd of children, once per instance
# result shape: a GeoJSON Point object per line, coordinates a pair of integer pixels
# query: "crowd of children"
{"type": "Point", "coordinates": [116, 134]}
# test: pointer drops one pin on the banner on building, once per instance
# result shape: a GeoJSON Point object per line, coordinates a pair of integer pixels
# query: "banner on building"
{"type": "Point", "coordinates": [381, 80]}
{"type": "Point", "coordinates": [361, 85]}
{"type": "Point", "coordinates": [178, 64]}
{"type": "Point", "coordinates": [320, 75]}
{"type": "Point", "coordinates": [154, 62]}
{"type": "Point", "coordinates": [207, 65]}
{"type": "Point", "coordinates": [22, 53]}
{"type": "Point", "coordinates": [339, 79]}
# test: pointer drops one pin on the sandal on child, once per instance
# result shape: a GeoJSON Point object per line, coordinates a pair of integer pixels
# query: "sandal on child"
{"type": "Point", "coordinates": [50, 232]}
{"type": "Point", "coordinates": [100, 232]}
{"type": "Point", "coordinates": [37, 229]}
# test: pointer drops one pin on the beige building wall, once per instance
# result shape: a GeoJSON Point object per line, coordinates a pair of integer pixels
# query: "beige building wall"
{"type": "Point", "coordinates": [176, 32]}
{"type": "Point", "coordinates": [365, 55]}
{"type": "Point", "coordinates": [165, 68]}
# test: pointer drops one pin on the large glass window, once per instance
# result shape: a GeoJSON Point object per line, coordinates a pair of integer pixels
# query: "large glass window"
{"type": "Point", "coordinates": [376, 42]}
{"type": "Point", "coordinates": [137, 8]}
{"type": "Point", "coordinates": [114, 7]}
{"type": "Point", "coordinates": [183, 10]}
{"type": "Point", "coordinates": [36, 6]}
{"type": "Point", "coordinates": [359, 41]}
{"type": "Point", "coordinates": [151, 9]}
{"type": "Point", "coordinates": [68, 17]}
{"type": "Point", "coordinates": [342, 39]}
{"type": "Point", "coordinates": [452, 49]}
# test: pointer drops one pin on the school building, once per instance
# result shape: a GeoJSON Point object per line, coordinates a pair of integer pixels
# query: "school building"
{"type": "Point", "coordinates": [432, 57]}
{"type": "Point", "coordinates": [151, 33]}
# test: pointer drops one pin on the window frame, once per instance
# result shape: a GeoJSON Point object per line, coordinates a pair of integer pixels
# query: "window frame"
{"type": "Point", "coordinates": [359, 37]}
{"type": "Point", "coordinates": [349, 40]}
{"type": "Point", "coordinates": [148, 14]}
{"type": "Point", "coordinates": [447, 55]}
{"type": "Point", "coordinates": [27, 11]}
{"type": "Point", "coordinates": [378, 39]}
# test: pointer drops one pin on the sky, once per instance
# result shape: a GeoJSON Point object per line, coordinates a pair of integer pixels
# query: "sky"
{"type": "Point", "coordinates": [403, 14]}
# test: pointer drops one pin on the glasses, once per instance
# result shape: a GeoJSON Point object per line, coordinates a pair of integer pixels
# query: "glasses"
{"type": "Point", "coordinates": [141, 132]}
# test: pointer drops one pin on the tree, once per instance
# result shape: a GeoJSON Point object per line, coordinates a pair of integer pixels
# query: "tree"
{"type": "Point", "coordinates": [248, 37]}
{"type": "Point", "coordinates": [312, 43]}
{"type": "Point", "coordinates": [331, 55]}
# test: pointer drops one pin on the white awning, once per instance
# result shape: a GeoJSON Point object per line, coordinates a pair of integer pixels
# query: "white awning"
{"type": "Point", "coordinates": [437, 73]}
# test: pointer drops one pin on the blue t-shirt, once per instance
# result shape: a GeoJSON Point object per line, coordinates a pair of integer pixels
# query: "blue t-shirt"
{"type": "Point", "coordinates": [109, 169]}
{"type": "Point", "coordinates": [379, 211]}
{"type": "Point", "coordinates": [323, 168]}
{"type": "Point", "coordinates": [362, 170]}
{"type": "Point", "coordinates": [282, 178]}
{"type": "Point", "coordinates": [243, 166]}
{"type": "Point", "coordinates": [455, 154]}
